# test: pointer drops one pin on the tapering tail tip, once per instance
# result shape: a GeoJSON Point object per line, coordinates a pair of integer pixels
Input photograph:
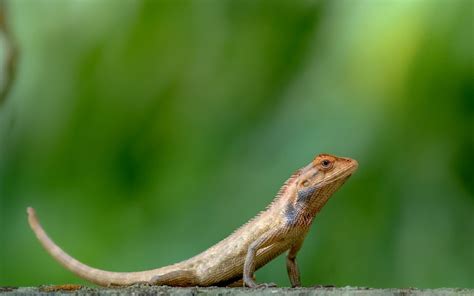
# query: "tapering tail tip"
{"type": "Point", "coordinates": [32, 220]}
{"type": "Point", "coordinates": [30, 211]}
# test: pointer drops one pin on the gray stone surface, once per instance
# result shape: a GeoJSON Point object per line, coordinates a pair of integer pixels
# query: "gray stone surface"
{"type": "Point", "coordinates": [164, 291]}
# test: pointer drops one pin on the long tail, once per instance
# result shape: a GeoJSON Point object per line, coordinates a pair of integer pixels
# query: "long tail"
{"type": "Point", "coordinates": [97, 276]}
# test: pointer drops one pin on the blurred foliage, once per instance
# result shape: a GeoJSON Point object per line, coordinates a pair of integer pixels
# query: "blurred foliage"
{"type": "Point", "coordinates": [145, 131]}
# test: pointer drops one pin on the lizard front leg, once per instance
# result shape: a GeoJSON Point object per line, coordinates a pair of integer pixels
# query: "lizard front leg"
{"type": "Point", "coordinates": [292, 266]}
{"type": "Point", "coordinates": [250, 260]}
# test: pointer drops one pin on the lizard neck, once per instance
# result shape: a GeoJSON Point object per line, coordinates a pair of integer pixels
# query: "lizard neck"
{"type": "Point", "coordinates": [301, 207]}
{"type": "Point", "coordinates": [286, 202]}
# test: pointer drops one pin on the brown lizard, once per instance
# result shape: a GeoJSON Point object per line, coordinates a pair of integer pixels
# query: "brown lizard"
{"type": "Point", "coordinates": [282, 226]}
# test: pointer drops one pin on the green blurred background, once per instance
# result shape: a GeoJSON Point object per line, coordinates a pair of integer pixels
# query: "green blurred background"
{"type": "Point", "coordinates": [145, 131]}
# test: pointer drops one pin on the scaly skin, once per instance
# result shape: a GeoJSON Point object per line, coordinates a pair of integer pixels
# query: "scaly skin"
{"type": "Point", "coordinates": [281, 227]}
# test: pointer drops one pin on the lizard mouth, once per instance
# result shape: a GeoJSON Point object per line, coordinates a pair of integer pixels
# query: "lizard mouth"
{"type": "Point", "coordinates": [342, 175]}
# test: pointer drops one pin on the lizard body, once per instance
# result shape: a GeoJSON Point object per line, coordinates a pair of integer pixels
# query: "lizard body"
{"type": "Point", "coordinates": [282, 226]}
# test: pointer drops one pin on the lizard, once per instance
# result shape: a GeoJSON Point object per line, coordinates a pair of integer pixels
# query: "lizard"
{"type": "Point", "coordinates": [281, 227]}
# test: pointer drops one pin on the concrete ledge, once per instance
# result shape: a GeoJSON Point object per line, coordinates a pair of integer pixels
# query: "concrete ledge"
{"type": "Point", "coordinates": [164, 291]}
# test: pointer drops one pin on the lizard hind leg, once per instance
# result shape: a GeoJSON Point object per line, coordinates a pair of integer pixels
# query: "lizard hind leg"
{"type": "Point", "coordinates": [177, 278]}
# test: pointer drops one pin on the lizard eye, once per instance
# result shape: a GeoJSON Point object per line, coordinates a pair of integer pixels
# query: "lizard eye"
{"type": "Point", "coordinates": [305, 183]}
{"type": "Point", "coordinates": [326, 164]}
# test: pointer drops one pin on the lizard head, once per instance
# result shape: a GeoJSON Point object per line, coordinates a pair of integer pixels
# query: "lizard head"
{"type": "Point", "coordinates": [318, 180]}
{"type": "Point", "coordinates": [326, 169]}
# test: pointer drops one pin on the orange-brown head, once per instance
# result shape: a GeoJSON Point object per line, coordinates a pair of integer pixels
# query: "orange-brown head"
{"type": "Point", "coordinates": [326, 169]}
{"type": "Point", "coordinates": [315, 183]}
